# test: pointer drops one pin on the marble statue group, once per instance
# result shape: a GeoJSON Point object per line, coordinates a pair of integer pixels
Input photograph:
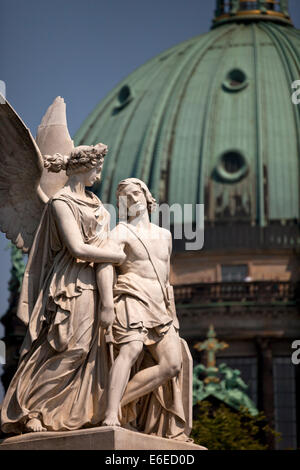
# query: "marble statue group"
{"type": "Point", "coordinates": [102, 346]}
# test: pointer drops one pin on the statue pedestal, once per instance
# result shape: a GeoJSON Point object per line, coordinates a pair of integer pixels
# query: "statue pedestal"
{"type": "Point", "coordinates": [101, 438]}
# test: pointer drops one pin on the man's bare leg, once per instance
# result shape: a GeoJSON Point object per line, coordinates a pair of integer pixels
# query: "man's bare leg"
{"type": "Point", "coordinates": [119, 374]}
{"type": "Point", "coordinates": [167, 353]}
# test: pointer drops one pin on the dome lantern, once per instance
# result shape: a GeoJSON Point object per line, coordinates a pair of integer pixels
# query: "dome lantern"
{"type": "Point", "coordinates": [249, 10]}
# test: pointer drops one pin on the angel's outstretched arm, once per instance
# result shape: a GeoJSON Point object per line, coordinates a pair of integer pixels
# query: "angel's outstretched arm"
{"type": "Point", "coordinates": [71, 237]}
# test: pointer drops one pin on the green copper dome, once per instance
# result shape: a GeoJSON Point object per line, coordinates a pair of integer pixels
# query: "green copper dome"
{"type": "Point", "coordinates": [211, 121]}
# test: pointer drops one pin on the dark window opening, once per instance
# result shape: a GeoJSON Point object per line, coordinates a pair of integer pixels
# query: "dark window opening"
{"type": "Point", "coordinates": [125, 96]}
{"type": "Point", "coordinates": [234, 273]}
{"type": "Point", "coordinates": [232, 162]}
{"type": "Point", "coordinates": [235, 80]}
{"type": "Point", "coordinates": [248, 6]}
{"type": "Point", "coordinates": [226, 6]}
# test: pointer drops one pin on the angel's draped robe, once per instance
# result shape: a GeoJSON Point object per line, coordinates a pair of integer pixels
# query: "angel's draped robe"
{"type": "Point", "coordinates": [62, 375]}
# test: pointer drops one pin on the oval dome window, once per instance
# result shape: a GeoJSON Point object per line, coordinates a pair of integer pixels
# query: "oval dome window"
{"type": "Point", "coordinates": [235, 80]}
{"type": "Point", "coordinates": [124, 97]}
{"type": "Point", "coordinates": [232, 166]}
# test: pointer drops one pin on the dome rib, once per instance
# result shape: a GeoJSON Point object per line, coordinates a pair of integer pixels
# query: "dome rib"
{"type": "Point", "coordinates": [291, 75]}
{"type": "Point", "coordinates": [224, 132]}
{"type": "Point", "coordinates": [168, 125]}
{"type": "Point", "coordinates": [260, 202]}
{"type": "Point", "coordinates": [84, 133]}
{"type": "Point", "coordinates": [147, 165]}
{"type": "Point", "coordinates": [143, 115]}
{"type": "Point", "coordinates": [121, 125]}
{"type": "Point", "coordinates": [188, 113]}
{"type": "Point", "coordinates": [117, 149]}
{"type": "Point", "coordinates": [211, 109]}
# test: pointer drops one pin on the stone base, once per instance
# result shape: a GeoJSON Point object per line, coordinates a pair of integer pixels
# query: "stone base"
{"type": "Point", "coordinates": [101, 438]}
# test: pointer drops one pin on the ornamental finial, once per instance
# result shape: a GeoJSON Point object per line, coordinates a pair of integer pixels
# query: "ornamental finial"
{"type": "Point", "coordinates": [251, 10]}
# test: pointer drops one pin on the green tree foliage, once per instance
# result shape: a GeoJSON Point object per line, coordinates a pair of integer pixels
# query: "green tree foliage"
{"type": "Point", "coordinates": [220, 428]}
{"type": "Point", "coordinates": [17, 268]}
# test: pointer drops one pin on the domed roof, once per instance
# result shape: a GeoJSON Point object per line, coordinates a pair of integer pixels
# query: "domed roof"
{"type": "Point", "coordinates": [211, 121]}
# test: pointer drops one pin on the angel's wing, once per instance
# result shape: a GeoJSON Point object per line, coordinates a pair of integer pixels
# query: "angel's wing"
{"type": "Point", "coordinates": [21, 167]}
{"type": "Point", "coordinates": [53, 137]}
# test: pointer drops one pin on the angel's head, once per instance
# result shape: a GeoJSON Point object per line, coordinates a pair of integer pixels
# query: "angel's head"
{"type": "Point", "coordinates": [85, 159]}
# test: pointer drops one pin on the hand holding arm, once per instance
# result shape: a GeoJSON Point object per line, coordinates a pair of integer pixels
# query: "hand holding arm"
{"type": "Point", "coordinates": [105, 281]}
{"type": "Point", "coordinates": [105, 275]}
{"type": "Point", "coordinates": [71, 237]}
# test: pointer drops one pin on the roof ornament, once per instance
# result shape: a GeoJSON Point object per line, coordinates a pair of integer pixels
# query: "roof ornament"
{"type": "Point", "coordinates": [253, 10]}
{"type": "Point", "coordinates": [222, 382]}
{"type": "Point", "coordinates": [211, 345]}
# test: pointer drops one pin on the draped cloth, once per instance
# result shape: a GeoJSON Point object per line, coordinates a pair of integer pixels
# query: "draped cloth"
{"type": "Point", "coordinates": [159, 413]}
{"type": "Point", "coordinates": [62, 376]}
{"type": "Point", "coordinates": [63, 368]}
{"type": "Point", "coordinates": [144, 317]}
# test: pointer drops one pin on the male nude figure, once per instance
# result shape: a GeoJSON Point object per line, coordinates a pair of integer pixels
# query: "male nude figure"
{"type": "Point", "coordinates": [142, 317]}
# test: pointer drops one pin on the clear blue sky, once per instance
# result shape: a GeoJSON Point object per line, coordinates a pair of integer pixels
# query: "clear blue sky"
{"type": "Point", "coordinates": [80, 50]}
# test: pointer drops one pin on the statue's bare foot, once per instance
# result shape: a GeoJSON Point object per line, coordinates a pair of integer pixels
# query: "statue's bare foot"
{"type": "Point", "coordinates": [34, 425]}
{"type": "Point", "coordinates": [111, 420]}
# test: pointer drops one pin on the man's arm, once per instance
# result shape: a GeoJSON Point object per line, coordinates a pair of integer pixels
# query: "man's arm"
{"type": "Point", "coordinates": [105, 282]}
{"type": "Point", "coordinates": [170, 246]}
{"type": "Point", "coordinates": [118, 236]}
{"type": "Point", "coordinates": [105, 275]}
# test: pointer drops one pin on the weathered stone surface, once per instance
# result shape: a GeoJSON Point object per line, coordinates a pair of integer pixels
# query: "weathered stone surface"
{"type": "Point", "coordinates": [101, 438]}
{"type": "Point", "coordinates": [103, 343]}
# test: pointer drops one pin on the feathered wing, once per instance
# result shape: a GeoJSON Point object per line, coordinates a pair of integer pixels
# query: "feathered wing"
{"type": "Point", "coordinates": [53, 137]}
{"type": "Point", "coordinates": [21, 167]}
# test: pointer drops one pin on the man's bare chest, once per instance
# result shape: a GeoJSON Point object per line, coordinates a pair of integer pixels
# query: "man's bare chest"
{"type": "Point", "coordinates": [135, 249]}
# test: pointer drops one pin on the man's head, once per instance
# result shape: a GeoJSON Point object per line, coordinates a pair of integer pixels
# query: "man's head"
{"type": "Point", "coordinates": [134, 198]}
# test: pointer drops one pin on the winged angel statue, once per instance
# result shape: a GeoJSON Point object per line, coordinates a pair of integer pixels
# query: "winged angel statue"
{"type": "Point", "coordinates": [46, 211]}
{"type": "Point", "coordinates": [67, 378]}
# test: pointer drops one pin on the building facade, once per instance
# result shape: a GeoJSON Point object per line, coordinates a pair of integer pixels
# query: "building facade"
{"type": "Point", "coordinates": [211, 121]}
